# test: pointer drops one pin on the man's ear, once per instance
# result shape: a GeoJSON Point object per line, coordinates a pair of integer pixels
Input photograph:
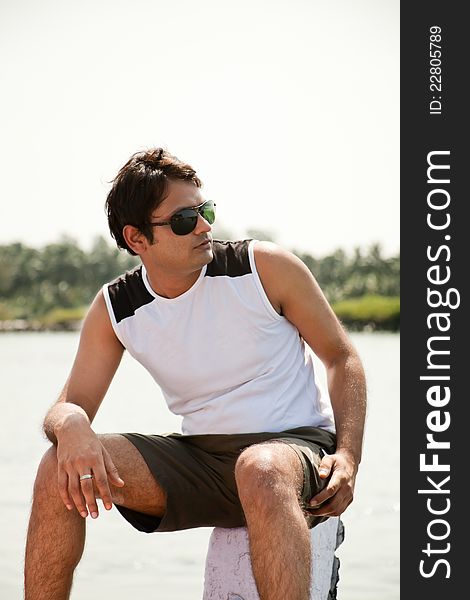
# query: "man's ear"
{"type": "Point", "coordinates": [135, 239]}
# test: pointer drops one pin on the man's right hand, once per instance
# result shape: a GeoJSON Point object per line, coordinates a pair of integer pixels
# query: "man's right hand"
{"type": "Point", "coordinates": [80, 452]}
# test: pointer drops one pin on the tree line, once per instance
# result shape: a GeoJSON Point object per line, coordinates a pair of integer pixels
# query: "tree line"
{"type": "Point", "coordinates": [59, 277]}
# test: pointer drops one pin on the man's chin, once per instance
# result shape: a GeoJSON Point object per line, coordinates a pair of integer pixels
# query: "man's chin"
{"type": "Point", "coordinates": [210, 255]}
{"type": "Point", "coordinates": [205, 254]}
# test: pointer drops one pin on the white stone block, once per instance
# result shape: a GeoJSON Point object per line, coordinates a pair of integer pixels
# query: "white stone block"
{"type": "Point", "coordinates": [228, 573]}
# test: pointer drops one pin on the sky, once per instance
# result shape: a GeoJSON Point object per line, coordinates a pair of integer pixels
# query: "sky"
{"type": "Point", "coordinates": [288, 111]}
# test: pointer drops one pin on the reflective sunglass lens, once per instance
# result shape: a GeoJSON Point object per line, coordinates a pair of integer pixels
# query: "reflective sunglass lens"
{"type": "Point", "coordinates": [208, 213]}
{"type": "Point", "coordinates": [185, 221]}
{"type": "Point", "coordinates": [184, 225]}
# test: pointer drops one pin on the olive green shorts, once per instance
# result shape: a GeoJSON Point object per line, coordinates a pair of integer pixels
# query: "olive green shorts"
{"type": "Point", "coordinates": [197, 473]}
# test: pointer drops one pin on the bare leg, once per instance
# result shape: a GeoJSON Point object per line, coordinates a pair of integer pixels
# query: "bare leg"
{"type": "Point", "coordinates": [56, 536]}
{"type": "Point", "coordinates": [269, 478]}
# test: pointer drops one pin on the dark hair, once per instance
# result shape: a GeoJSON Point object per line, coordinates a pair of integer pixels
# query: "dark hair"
{"type": "Point", "coordinates": [139, 187]}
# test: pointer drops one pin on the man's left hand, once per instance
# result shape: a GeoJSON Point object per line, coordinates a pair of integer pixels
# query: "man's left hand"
{"type": "Point", "coordinates": [338, 493]}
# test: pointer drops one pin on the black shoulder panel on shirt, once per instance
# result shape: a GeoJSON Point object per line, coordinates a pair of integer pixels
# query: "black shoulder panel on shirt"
{"type": "Point", "coordinates": [230, 258]}
{"type": "Point", "coordinates": [128, 293]}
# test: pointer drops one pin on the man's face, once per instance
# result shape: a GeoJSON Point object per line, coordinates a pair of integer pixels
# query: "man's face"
{"type": "Point", "coordinates": [182, 253]}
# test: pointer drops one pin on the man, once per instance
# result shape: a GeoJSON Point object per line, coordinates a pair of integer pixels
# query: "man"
{"type": "Point", "coordinates": [223, 328]}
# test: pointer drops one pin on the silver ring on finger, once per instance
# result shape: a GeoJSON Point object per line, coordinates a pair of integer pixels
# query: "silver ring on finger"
{"type": "Point", "coordinates": [86, 476]}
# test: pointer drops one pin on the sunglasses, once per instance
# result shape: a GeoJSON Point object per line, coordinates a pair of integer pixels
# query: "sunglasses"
{"type": "Point", "coordinates": [184, 221]}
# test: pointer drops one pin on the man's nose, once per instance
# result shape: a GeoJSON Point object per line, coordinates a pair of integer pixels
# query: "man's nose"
{"type": "Point", "coordinates": [202, 225]}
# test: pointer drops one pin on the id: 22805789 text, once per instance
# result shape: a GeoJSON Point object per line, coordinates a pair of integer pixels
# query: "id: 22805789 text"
{"type": "Point", "coordinates": [435, 70]}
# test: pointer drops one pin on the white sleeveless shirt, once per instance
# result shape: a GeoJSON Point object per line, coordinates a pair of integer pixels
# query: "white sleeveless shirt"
{"type": "Point", "coordinates": [223, 357]}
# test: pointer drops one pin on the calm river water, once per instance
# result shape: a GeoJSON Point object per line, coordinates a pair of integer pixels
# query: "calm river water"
{"type": "Point", "coordinates": [121, 563]}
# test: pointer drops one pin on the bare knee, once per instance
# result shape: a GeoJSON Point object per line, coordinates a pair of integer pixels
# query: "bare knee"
{"type": "Point", "coordinates": [266, 473]}
{"type": "Point", "coordinates": [45, 484]}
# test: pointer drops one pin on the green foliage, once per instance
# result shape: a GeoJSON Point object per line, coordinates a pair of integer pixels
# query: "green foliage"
{"type": "Point", "coordinates": [5, 312]}
{"type": "Point", "coordinates": [381, 312]}
{"type": "Point", "coordinates": [35, 281]}
{"type": "Point", "coordinates": [63, 318]}
{"type": "Point", "coordinates": [366, 273]}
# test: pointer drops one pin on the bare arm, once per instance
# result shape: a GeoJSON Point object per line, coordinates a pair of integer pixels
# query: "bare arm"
{"type": "Point", "coordinates": [98, 356]}
{"type": "Point", "coordinates": [68, 422]}
{"type": "Point", "coordinates": [294, 293]}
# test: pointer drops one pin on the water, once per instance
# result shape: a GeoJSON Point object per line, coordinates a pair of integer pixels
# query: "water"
{"type": "Point", "coordinates": [120, 562]}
